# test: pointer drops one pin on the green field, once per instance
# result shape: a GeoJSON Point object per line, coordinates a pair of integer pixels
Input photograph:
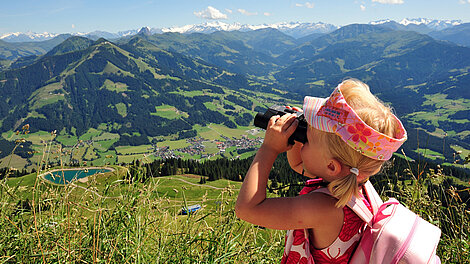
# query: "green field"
{"type": "Point", "coordinates": [169, 112]}
{"type": "Point", "coordinates": [127, 150]}
{"type": "Point", "coordinates": [173, 144]}
{"type": "Point", "coordinates": [430, 154]}
{"type": "Point", "coordinates": [442, 109]}
{"type": "Point", "coordinates": [133, 157]}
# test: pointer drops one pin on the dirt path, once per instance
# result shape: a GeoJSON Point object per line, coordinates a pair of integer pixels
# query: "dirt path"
{"type": "Point", "coordinates": [195, 184]}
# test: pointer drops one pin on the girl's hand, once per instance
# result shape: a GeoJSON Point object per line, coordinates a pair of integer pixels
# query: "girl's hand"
{"type": "Point", "coordinates": [279, 129]}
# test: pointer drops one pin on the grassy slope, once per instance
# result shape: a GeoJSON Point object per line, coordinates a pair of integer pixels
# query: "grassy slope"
{"type": "Point", "coordinates": [118, 222]}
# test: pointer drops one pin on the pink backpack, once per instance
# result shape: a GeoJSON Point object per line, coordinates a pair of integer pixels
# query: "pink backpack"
{"type": "Point", "coordinates": [393, 234]}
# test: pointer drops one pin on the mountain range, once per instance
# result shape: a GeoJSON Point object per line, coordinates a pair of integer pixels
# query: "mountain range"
{"type": "Point", "coordinates": [294, 29]}
{"type": "Point", "coordinates": [127, 86]}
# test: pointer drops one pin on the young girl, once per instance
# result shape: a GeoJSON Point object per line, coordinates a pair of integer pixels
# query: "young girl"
{"type": "Point", "coordinates": [350, 135]}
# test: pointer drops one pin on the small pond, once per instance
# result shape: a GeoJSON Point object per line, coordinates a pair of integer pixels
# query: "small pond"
{"type": "Point", "coordinates": [69, 175]}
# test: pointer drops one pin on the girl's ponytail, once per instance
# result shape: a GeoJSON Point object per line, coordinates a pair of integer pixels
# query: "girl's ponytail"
{"type": "Point", "coordinates": [344, 188]}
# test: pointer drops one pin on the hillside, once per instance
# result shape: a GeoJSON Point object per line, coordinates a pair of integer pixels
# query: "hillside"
{"type": "Point", "coordinates": [105, 83]}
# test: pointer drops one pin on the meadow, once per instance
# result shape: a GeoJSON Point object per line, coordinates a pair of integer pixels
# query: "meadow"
{"type": "Point", "coordinates": [108, 220]}
{"type": "Point", "coordinates": [111, 220]}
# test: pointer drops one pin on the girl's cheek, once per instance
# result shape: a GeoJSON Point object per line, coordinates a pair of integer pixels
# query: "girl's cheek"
{"type": "Point", "coordinates": [302, 152]}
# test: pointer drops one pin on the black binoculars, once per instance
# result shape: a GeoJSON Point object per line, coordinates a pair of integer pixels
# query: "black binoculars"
{"type": "Point", "coordinates": [300, 133]}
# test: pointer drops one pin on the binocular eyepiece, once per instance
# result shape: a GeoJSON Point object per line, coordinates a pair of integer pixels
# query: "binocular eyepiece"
{"type": "Point", "coordinates": [300, 133]}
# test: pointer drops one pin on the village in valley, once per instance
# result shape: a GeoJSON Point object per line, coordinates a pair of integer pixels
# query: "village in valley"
{"type": "Point", "coordinates": [197, 147]}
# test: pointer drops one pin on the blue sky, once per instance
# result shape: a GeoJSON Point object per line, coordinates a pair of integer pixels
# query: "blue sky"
{"type": "Point", "coordinates": [69, 16]}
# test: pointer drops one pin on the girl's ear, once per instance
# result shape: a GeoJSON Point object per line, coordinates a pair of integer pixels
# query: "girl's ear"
{"type": "Point", "coordinates": [334, 167]}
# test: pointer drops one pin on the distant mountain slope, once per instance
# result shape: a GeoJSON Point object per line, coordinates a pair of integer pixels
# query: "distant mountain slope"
{"type": "Point", "coordinates": [229, 50]}
{"type": "Point", "coordinates": [69, 45]}
{"type": "Point", "coordinates": [310, 49]}
{"type": "Point", "coordinates": [407, 69]}
{"type": "Point", "coordinates": [13, 51]}
{"type": "Point", "coordinates": [269, 41]}
{"type": "Point", "coordinates": [459, 34]}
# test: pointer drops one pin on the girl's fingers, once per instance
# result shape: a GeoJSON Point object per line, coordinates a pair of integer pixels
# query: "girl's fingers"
{"type": "Point", "coordinates": [284, 122]}
{"type": "Point", "coordinates": [273, 120]}
{"type": "Point", "coordinates": [288, 121]}
{"type": "Point", "coordinates": [293, 123]}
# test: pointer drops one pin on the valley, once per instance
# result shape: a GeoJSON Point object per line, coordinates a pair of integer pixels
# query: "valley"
{"type": "Point", "coordinates": [194, 96]}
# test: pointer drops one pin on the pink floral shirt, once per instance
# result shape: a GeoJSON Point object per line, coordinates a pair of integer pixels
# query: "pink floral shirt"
{"type": "Point", "coordinates": [298, 247]}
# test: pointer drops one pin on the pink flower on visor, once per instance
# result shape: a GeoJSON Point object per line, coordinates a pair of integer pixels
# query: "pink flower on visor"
{"type": "Point", "coordinates": [334, 115]}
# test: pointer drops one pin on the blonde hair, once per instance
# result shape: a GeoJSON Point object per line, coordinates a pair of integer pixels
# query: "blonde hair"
{"type": "Point", "coordinates": [375, 114]}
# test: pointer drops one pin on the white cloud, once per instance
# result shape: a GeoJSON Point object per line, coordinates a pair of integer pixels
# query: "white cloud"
{"type": "Point", "coordinates": [463, 2]}
{"type": "Point", "coordinates": [73, 25]}
{"type": "Point", "coordinates": [228, 10]}
{"type": "Point", "coordinates": [393, 2]}
{"type": "Point", "coordinates": [307, 5]}
{"type": "Point", "coordinates": [211, 13]}
{"type": "Point", "coordinates": [246, 13]}
{"type": "Point", "coordinates": [363, 8]}
{"type": "Point", "coordinates": [267, 14]}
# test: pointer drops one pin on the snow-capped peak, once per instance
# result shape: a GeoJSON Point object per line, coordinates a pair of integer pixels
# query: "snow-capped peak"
{"type": "Point", "coordinates": [434, 24]}
{"type": "Point", "coordinates": [28, 36]}
{"type": "Point", "coordinates": [295, 29]}
{"type": "Point", "coordinates": [380, 22]}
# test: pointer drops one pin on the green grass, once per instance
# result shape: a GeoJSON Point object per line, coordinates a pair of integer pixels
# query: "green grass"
{"type": "Point", "coordinates": [45, 95]}
{"type": "Point", "coordinates": [177, 144]}
{"type": "Point", "coordinates": [67, 140]}
{"type": "Point", "coordinates": [127, 150]}
{"type": "Point", "coordinates": [122, 109]}
{"type": "Point", "coordinates": [13, 161]}
{"type": "Point", "coordinates": [133, 157]}
{"type": "Point", "coordinates": [433, 155]}
{"type": "Point", "coordinates": [36, 138]}
{"type": "Point", "coordinates": [116, 87]}
{"type": "Point", "coordinates": [106, 136]}
{"type": "Point", "coordinates": [229, 132]}
{"type": "Point", "coordinates": [90, 134]}
{"type": "Point", "coordinates": [110, 221]}
{"type": "Point", "coordinates": [90, 153]}
{"type": "Point", "coordinates": [444, 108]}
{"type": "Point", "coordinates": [169, 112]}
{"type": "Point", "coordinates": [104, 145]}
{"type": "Point", "coordinates": [108, 157]}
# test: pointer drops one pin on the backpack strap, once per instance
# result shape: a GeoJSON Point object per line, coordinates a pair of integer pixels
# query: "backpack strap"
{"type": "Point", "coordinates": [358, 205]}
{"type": "Point", "coordinates": [374, 197]}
